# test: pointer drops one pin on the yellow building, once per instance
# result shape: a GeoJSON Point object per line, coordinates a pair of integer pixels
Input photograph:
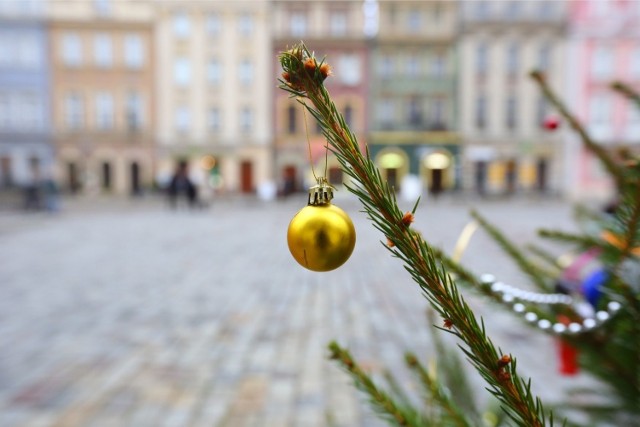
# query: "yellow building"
{"type": "Point", "coordinates": [103, 106]}
{"type": "Point", "coordinates": [214, 81]}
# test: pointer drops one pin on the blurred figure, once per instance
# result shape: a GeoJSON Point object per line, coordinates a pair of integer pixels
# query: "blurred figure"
{"type": "Point", "coordinates": [181, 186]}
{"type": "Point", "coordinates": [50, 193]}
{"type": "Point", "coordinates": [32, 190]}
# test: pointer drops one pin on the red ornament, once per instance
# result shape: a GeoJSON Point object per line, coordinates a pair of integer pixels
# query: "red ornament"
{"type": "Point", "coordinates": [568, 354]}
{"type": "Point", "coordinates": [551, 123]}
{"type": "Point", "coordinates": [568, 358]}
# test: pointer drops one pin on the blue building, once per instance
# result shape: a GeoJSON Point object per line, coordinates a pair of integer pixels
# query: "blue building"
{"type": "Point", "coordinates": [26, 152]}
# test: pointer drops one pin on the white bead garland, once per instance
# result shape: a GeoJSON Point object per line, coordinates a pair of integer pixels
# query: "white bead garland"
{"type": "Point", "coordinates": [510, 294]}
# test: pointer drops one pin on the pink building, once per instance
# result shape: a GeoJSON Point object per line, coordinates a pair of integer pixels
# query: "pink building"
{"type": "Point", "coordinates": [604, 46]}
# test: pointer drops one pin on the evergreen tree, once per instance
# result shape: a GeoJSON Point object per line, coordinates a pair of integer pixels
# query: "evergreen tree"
{"type": "Point", "coordinates": [608, 339]}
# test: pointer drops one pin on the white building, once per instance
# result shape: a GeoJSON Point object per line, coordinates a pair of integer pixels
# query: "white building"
{"type": "Point", "coordinates": [501, 108]}
{"type": "Point", "coordinates": [214, 80]}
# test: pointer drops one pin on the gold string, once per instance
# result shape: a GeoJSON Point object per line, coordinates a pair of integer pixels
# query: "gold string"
{"type": "Point", "coordinates": [326, 148]}
{"type": "Point", "coordinates": [463, 240]}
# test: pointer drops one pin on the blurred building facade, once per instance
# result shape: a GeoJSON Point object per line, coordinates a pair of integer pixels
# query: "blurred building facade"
{"type": "Point", "coordinates": [26, 153]}
{"type": "Point", "coordinates": [214, 85]}
{"type": "Point", "coordinates": [414, 112]}
{"type": "Point", "coordinates": [502, 111]}
{"type": "Point", "coordinates": [335, 30]}
{"type": "Point", "coordinates": [103, 95]}
{"type": "Point", "coordinates": [603, 46]}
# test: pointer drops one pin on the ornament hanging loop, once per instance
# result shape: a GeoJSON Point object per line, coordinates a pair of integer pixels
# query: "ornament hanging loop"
{"type": "Point", "coordinates": [321, 193]}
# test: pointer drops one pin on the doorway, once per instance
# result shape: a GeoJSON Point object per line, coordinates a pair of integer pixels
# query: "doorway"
{"type": "Point", "coordinates": [246, 176]}
{"type": "Point", "coordinates": [435, 183]}
{"type": "Point", "coordinates": [5, 172]}
{"type": "Point", "coordinates": [541, 174]}
{"type": "Point", "coordinates": [73, 181]}
{"type": "Point", "coordinates": [106, 176]}
{"type": "Point", "coordinates": [135, 179]}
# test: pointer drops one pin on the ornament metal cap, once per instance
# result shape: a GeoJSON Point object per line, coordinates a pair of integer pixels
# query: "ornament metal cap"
{"type": "Point", "coordinates": [322, 193]}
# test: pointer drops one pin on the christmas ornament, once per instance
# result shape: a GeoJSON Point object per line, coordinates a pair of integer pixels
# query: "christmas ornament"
{"type": "Point", "coordinates": [551, 123]}
{"type": "Point", "coordinates": [321, 236]}
{"type": "Point", "coordinates": [567, 353]}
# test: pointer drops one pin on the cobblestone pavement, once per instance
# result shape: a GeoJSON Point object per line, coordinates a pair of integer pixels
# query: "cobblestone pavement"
{"type": "Point", "coordinates": [133, 315]}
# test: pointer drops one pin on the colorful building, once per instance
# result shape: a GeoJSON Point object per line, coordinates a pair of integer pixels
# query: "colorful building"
{"type": "Point", "coordinates": [214, 85]}
{"type": "Point", "coordinates": [413, 94]}
{"type": "Point", "coordinates": [501, 109]}
{"type": "Point", "coordinates": [26, 153]}
{"type": "Point", "coordinates": [103, 94]}
{"type": "Point", "coordinates": [335, 30]}
{"type": "Point", "coordinates": [604, 46]}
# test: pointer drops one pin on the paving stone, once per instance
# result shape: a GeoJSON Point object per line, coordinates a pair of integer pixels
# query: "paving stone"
{"type": "Point", "coordinates": [133, 315]}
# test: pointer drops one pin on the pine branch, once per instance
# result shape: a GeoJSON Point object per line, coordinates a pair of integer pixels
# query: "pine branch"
{"type": "Point", "coordinates": [544, 255]}
{"type": "Point", "coordinates": [627, 91]}
{"type": "Point", "coordinates": [534, 272]}
{"type": "Point", "coordinates": [303, 77]}
{"type": "Point", "coordinates": [453, 415]}
{"type": "Point", "coordinates": [380, 400]}
{"type": "Point", "coordinates": [575, 239]}
{"type": "Point", "coordinates": [597, 150]}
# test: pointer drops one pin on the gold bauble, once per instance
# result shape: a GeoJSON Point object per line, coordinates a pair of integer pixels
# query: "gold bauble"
{"type": "Point", "coordinates": [321, 237]}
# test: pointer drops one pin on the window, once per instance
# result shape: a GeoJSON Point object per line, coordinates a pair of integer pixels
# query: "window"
{"type": "Point", "coordinates": [181, 25]}
{"type": "Point", "coordinates": [74, 111]}
{"type": "Point", "coordinates": [246, 72]}
{"type": "Point", "coordinates": [481, 112]}
{"type": "Point", "coordinates": [511, 113]}
{"type": "Point", "coordinates": [214, 71]}
{"type": "Point", "coordinates": [104, 110]}
{"type": "Point", "coordinates": [412, 65]}
{"type": "Point", "coordinates": [182, 119]}
{"type": "Point", "coordinates": [634, 63]}
{"type": "Point", "coordinates": [349, 69]}
{"type": "Point", "coordinates": [512, 9]}
{"type": "Point", "coordinates": [386, 113]}
{"type": "Point", "coordinates": [292, 127]}
{"type": "Point", "coordinates": [481, 58]}
{"type": "Point", "coordinates": [134, 111]}
{"type": "Point", "coordinates": [5, 111]}
{"type": "Point", "coordinates": [102, 7]}
{"type": "Point", "coordinates": [28, 51]}
{"type": "Point", "coordinates": [599, 109]}
{"type": "Point", "coordinates": [298, 24]}
{"type": "Point", "coordinates": [245, 24]}
{"type": "Point", "coordinates": [182, 71]}
{"type": "Point", "coordinates": [481, 9]}
{"type": "Point", "coordinates": [348, 115]}
{"type": "Point", "coordinates": [414, 111]}
{"type": "Point", "coordinates": [545, 9]}
{"type": "Point", "coordinates": [214, 119]}
{"type": "Point", "coordinates": [71, 49]}
{"type": "Point", "coordinates": [438, 65]}
{"type": "Point", "coordinates": [544, 57]}
{"type": "Point", "coordinates": [246, 119]}
{"type": "Point", "coordinates": [214, 24]}
{"type": "Point", "coordinates": [133, 51]}
{"type": "Point", "coordinates": [32, 111]}
{"type": "Point", "coordinates": [6, 48]}
{"type": "Point", "coordinates": [541, 110]}
{"type": "Point", "coordinates": [338, 23]}
{"type": "Point", "coordinates": [102, 50]}
{"type": "Point", "coordinates": [512, 60]}
{"type": "Point", "coordinates": [437, 113]}
{"type": "Point", "coordinates": [602, 62]}
{"type": "Point", "coordinates": [414, 21]}
{"type": "Point", "coordinates": [386, 66]}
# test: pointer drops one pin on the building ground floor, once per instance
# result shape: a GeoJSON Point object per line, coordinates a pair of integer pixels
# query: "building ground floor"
{"type": "Point", "coordinates": [104, 165]}
{"type": "Point", "coordinates": [219, 169]}
{"type": "Point", "coordinates": [24, 160]}
{"type": "Point", "coordinates": [505, 168]}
